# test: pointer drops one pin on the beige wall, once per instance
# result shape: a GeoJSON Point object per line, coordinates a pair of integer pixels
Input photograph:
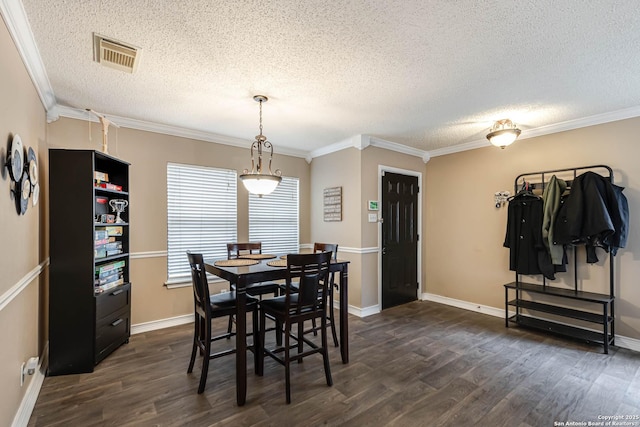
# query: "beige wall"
{"type": "Point", "coordinates": [22, 332]}
{"type": "Point", "coordinates": [340, 169]}
{"type": "Point", "coordinates": [149, 154]}
{"type": "Point", "coordinates": [372, 158]}
{"type": "Point", "coordinates": [464, 256]}
{"type": "Point", "coordinates": [356, 171]}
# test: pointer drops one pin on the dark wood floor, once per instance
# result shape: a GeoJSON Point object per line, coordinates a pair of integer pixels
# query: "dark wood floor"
{"type": "Point", "coordinates": [421, 364]}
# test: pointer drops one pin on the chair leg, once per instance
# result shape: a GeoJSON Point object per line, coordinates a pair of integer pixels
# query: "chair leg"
{"type": "Point", "coordinates": [196, 336]}
{"type": "Point", "coordinates": [230, 327]}
{"type": "Point", "coordinates": [332, 319]}
{"type": "Point", "coordinates": [206, 358]}
{"type": "Point", "coordinates": [279, 333]}
{"type": "Point", "coordinates": [287, 362]}
{"type": "Point", "coordinates": [263, 323]}
{"type": "Point", "coordinates": [257, 344]}
{"type": "Point", "coordinates": [325, 352]}
{"type": "Point", "coordinates": [300, 342]}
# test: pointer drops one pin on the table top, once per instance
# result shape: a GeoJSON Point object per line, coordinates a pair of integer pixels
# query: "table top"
{"type": "Point", "coordinates": [258, 272]}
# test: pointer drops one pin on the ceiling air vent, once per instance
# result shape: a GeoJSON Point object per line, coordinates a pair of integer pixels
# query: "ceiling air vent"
{"type": "Point", "coordinates": [115, 54]}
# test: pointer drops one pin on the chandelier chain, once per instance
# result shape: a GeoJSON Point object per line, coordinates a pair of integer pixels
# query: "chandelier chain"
{"type": "Point", "coordinates": [260, 117]}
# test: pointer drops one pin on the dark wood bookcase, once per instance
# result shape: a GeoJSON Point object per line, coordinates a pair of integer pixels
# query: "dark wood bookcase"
{"type": "Point", "coordinates": [89, 316]}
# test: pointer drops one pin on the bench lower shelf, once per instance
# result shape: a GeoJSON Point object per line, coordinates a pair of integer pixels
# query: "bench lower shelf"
{"type": "Point", "coordinates": [562, 329]}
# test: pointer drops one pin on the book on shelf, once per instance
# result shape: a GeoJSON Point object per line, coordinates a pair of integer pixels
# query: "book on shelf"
{"type": "Point", "coordinates": [114, 230]}
{"type": "Point", "coordinates": [113, 245]}
{"type": "Point", "coordinates": [109, 186]}
{"type": "Point", "coordinates": [102, 288]}
{"type": "Point", "coordinates": [110, 230]}
{"type": "Point", "coordinates": [110, 266]}
{"type": "Point", "coordinates": [100, 234]}
{"type": "Point", "coordinates": [100, 252]}
{"type": "Point", "coordinates": [101, 281]}
{"type": "Point", "coordinates": [108, 276]}
{"type": "Point", "coordinates": [101, 242]}
{"type": "Point", "coordinates": [100, 176]}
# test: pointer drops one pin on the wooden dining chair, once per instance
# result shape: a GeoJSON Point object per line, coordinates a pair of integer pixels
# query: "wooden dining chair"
{"type": "Point", "coordinates": [295, 308]}
{"type": "Point", "coordinates": [208, 307]}
{"type": "Point", "coordinates": [331, 323]}
{"type": "Point", "coordinates": [235, 251]}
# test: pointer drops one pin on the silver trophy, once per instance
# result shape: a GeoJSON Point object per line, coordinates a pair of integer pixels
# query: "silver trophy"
{"type": "Point", "coordinates": [118, 206]}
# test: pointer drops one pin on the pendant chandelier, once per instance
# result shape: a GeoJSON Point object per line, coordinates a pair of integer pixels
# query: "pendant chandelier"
{"type": "Point", "coordinates": [255, 181]}
{"type": "Point", "coordinates": [503, 133]}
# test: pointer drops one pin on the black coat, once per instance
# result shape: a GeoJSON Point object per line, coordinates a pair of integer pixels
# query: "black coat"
{"type": "Point", "coordinates": [527, 254]}
{"type": "Point", "coordinates": [595, 213]}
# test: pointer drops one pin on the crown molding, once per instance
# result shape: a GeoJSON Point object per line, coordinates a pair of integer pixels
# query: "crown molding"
{"type": "Point", "coordinates": [361, 142]}
{"type": "Point", "coordinates": [76, 113]}
{"type": "Point", "coordinates": [338, 146]}
{"type": "Point", "coordinates": [461, 147]}
{"type": "Point", "coordinates": [16, 19]}
{"type": "Point", "coordinates": [393, 146]}
{"type": "Point", "coordinates": [598, 119]}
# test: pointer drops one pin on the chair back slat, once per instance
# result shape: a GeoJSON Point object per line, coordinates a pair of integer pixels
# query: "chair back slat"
{"type": "Point", "coordinates": [328, 247]}
{"type": "Point", "coordinates": [234, 250]}
{"type": "Point", "coordinates": [312, 271]}
{"type": "Point", "coordinates": [199, 281]}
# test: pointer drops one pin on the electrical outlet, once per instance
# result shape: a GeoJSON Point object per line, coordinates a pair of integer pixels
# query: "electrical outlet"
{"type": "Point", "coordinates": [22, 374]}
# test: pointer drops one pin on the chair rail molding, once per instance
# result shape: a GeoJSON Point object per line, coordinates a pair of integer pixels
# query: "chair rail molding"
{"type": "Point", "coordinates": [14, 291]}
{"type": "Point", "coordinates": [149, 254]}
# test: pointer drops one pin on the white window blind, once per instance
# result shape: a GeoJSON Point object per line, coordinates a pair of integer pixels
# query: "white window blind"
{"type": "Point", "coordinates": [202, 214]}
{"type": "Point", "coordinates": [274, 218]}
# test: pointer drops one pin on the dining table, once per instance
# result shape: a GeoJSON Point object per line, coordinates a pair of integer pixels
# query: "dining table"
{"type": "Point", "coordinates": [241, 276]}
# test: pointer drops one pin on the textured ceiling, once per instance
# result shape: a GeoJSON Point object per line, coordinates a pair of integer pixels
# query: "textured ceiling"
{"type": "Point", "coordinates": [426, 74]}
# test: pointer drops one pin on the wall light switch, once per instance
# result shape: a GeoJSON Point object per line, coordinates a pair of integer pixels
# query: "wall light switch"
{"type": "Point", "coordinates": [373, 217]}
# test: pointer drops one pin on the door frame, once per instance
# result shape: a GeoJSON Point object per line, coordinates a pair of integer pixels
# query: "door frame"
{"type": "Point", "coordinates": [381, 170]}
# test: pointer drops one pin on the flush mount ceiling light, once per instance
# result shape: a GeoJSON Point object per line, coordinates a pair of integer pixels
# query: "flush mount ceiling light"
{"type": "Point", "coordinates": [503, 133]}
{"type": "Point", "coordinates": [255, 181]}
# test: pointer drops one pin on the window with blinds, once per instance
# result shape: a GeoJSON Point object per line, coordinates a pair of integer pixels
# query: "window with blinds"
{"type": "Point", "coordinates": [274, 218]}
{"type": "Point", "coordinates": [202, 214]}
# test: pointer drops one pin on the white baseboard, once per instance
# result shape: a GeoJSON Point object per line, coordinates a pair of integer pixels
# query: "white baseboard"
{"type": "Point", "coordinates": [188, 318]}
{"type": "Point", "coordinates": [621, 341]}
{"type": "Point", "coordinates": [357, 311]}
{"type": "Point", "coordinates": [161, 324]}
{"type": "Point", "coordinates": [364, 312]}
{"type": "Point", "coordinates": [629, 343]}
{"type": "Point", "coordinates": [25, 409]}
{"type": "Point", "coordinates": [479, 308]}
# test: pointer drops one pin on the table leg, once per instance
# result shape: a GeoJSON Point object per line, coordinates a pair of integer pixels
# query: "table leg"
{"type": "Point", "coordinates": [344, 314]}
{"type": "Point", "coordinates": [241, 345]}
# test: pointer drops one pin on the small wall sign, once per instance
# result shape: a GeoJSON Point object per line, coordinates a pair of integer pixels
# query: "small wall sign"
{"type": "Point", "coordinates": [332, 204]}
{"type": "Point", "coordinates": [373, 205]}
